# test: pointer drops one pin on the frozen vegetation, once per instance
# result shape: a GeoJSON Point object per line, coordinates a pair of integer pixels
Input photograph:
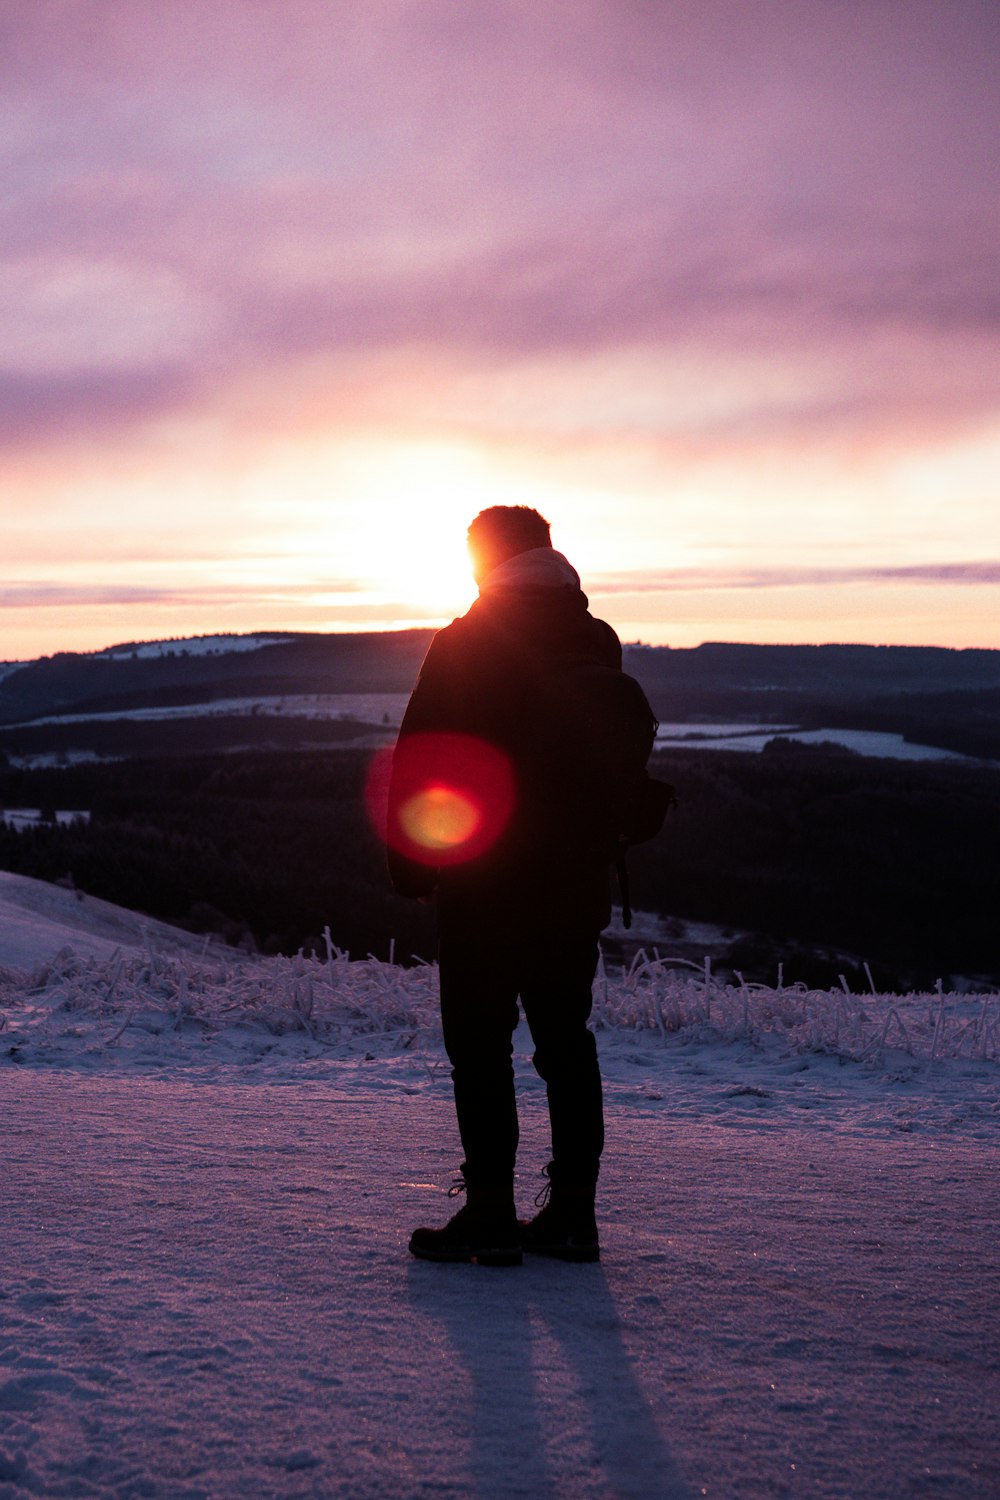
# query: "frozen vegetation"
{"type": "Point", "coordinates": [212, 1164]}
{"type": "Point", "coordinates": [163, 1009]}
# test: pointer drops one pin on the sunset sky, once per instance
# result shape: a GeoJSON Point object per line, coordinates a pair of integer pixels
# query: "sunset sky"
{"type": "Point", "coordinates": [292, 288]}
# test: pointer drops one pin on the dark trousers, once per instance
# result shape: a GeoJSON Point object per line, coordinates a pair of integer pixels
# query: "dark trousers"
{"type": "Point", "coordinates": [485, 969]}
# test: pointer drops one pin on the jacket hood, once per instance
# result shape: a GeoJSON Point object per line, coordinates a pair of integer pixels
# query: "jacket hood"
{"type": "Point", "coordinates": [535, 599]}
{"type": "Point", "coordinates": [541, 567]}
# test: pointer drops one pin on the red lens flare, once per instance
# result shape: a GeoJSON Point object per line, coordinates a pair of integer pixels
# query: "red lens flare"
{"type": "Point", "coordinates": [439, 818]}
{"type": "Point", "coordinates": [451, 797]}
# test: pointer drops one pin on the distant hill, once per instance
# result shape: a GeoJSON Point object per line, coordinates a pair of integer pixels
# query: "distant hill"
{"type": "Point", "coordinates": [931, 695]}
{"type": "Point", "coordinates": [130, 677]}
{"type": "Point", "coordinates": [928, 694]}
{"type": "Point", "coordinates": [828, 672]}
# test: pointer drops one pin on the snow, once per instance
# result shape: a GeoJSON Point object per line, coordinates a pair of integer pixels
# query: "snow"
{"type": "Point", "coordinates": [366, 708]}
{"type": "Point", "coordinates": [214, 1162]}
{"type": "Point", "coordinates": [204, 645]}
{"type": "Point", "coordinates": [37, 920]}
{"type": "Point", "coordinates": [863, 741]}
{"type": "Point", "coordinates": [874, 742]}
{"type": "Point", "coordinates": [696, 731]}
{"type": "Point", "coordinates": [386, 710]}
{"type": "Point", "coordinates": [27, 817]}
{"type": "Point", "coordinates": [56, 758]}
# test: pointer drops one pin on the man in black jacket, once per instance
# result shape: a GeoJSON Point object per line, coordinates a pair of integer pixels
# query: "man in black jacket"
{"type": "Point", "coordinates": [473, 820]}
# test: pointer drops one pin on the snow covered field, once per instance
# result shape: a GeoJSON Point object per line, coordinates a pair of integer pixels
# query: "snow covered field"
{"type": "Point", "coordinates": [881, 745]}
{"type": "Point", "coordinates": [385, 709]}
{"type": "Point", "coordinates": [384, 712]}
{"type": "Point", "coordinates": [199, 645]}
{"type": "Point", "coordinates": [211, 1165]}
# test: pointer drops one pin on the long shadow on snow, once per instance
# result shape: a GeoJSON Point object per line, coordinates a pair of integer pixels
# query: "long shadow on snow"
{"type": "Point", "coordinates": [498, 1321]}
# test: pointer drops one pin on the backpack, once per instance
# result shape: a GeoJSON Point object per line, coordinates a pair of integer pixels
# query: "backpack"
{"type": "Point", "coordinates": [592, 732]}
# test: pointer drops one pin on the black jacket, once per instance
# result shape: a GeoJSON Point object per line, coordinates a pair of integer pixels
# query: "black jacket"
{"type": "Point", "coordinates": [481, 677]}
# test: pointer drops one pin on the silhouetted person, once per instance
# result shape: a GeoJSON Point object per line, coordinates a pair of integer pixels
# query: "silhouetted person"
{"type": "Point", "coordinates": [520, 903]}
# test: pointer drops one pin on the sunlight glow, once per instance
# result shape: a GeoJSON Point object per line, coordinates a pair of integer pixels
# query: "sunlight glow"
{"type": "Point", "coordinates": [410, 505]}
{"type": "Point", "coordinates": [364, 531]}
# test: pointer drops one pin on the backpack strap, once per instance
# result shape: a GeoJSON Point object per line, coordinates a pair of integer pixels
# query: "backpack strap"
{"type": "Point", "coordinates": [624, 886]}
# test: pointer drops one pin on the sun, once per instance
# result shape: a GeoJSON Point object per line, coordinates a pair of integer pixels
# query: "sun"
{"type": "Point", "coordinates": [420, 558]}
{"type": "Point", "coordinates": [409, 522]}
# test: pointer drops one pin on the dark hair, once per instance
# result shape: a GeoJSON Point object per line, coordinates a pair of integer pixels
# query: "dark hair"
{"type": "Point", "coordinates": [503, 531]}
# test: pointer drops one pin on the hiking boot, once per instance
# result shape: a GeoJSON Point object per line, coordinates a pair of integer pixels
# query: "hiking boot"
{"type": "Point", "coordinates": [485, 1231]}
{"type": "Point", "coordinates": [565, 1228]}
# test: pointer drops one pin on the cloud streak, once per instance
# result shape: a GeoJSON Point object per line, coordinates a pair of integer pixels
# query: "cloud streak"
{"type": "Point", "coordinates": [701, 579]}
{"type": "Point", "coordinates": [58, 595]}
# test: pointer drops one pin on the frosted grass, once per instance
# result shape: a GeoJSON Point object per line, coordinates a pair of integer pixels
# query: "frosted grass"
{"type": "Point", "coordinates": [676, 997]}
{"type": "Point", "coordinates": [333, 1002]}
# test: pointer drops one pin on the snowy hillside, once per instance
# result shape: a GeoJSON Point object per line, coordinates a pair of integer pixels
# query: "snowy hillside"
{"type": "Point", "coordinates": [198, 645]}
{"type": "Point", "coordinates": [38, 919]}
{"type": "Point", "coordinates": [215, 1163]}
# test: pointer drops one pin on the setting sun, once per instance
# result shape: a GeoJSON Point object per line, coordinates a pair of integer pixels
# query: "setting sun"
{"type": "Point", "coordinates": [409, 506]}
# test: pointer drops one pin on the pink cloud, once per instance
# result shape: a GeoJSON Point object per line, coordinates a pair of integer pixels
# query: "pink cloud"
{"type": "Point", "coordinates": [501, 182]}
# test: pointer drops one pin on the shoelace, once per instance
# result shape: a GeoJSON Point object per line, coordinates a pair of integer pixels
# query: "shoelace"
{"type": "Point", "coordinates": [544, 1192]}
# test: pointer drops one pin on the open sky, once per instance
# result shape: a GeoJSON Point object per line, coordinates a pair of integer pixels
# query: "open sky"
{"type": "Point", "coordinates": [290, 289]}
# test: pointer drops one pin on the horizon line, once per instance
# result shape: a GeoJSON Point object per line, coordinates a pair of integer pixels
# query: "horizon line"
{"type": "Point", "coordinates": [277, 636]}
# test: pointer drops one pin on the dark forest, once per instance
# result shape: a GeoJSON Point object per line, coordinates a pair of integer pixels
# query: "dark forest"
{"type": "Point", "coordinates": [811, 855]}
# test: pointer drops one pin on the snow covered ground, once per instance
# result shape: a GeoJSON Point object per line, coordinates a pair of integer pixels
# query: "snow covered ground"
{"type": "Point", "coordinates": [385, 710]}
{"type": "Point", "coordinates": [211, 1165]}
{"type": "Point", "coordinates": [199, 645]}
{"type": "Point", "coordinates": [366, 708]}
{"type": "Point", "coordinates": [872, 742]}
{"type": "Point", "coordinates": [38, 919]}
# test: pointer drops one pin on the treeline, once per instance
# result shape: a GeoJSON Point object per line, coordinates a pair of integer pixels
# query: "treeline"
{"type": "Point", "coordinates": [805, 846]}
{"type": "Point", "coordinates": [264, 849]}
{"type": "Point", "coordinates": [894, 861]}
{"type": "Point", "coordinates": [208, 732]}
